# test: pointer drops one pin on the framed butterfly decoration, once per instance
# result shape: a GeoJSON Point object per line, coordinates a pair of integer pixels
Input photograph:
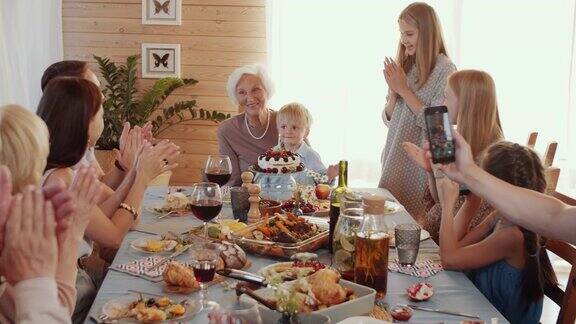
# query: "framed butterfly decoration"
{"type": "Point", "coordinates": [160, 60]}
{"type": "Point", "coordinates": [162, 12]}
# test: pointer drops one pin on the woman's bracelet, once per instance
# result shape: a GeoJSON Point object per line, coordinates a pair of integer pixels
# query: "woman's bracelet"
{"type": "Point", "coordinates": [130, 209]}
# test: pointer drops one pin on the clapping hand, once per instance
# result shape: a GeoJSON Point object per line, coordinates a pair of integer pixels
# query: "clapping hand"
{"type": "Point", "coordinates": [31, 249]}
{"type": "Point", "coordinates": [418, 155]}
{"type": "Point", "coordinates": [154, 160]}
{"type": "Point", "coordinates": [447, 189]}
{"type": "Point", "coordinates": [395, 76]}
{"type": "Point", "coordinates": [131, 141]}
{"type": "Point", "coordinates": [86, 189]}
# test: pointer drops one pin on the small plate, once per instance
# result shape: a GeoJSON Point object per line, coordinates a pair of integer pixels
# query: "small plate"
{"type": "Point", "coordinates": [415, 288]}
{"type": "Point", "coordinates": [114, 307]}
{"type": "Point", "coordinates": [138, 244]}
{"type": "Point", "coordinates": [156, 208]}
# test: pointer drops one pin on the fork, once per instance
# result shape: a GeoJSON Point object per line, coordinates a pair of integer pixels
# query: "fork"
{"type": "Point", "coordinates": [167, 214]}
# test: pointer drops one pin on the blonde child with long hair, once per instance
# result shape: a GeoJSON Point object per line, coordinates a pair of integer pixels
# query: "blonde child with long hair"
{"type": "Point", "coordinates": [507, 263]}
{"type": "Point", "coordinates": [472, 106]}
{"type": "Point", "coordinates": [415, 80]}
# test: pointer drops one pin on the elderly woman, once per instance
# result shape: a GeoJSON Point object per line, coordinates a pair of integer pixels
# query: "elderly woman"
{"type": "Point", "coordinates": [244, 137]}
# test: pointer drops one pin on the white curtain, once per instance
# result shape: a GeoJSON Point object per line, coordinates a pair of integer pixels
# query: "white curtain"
{"type": "Point", "coordinates": [328, 55]}
{"type": "Point", "coordinates": [30, 40]}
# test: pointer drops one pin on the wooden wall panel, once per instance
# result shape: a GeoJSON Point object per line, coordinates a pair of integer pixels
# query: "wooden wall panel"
{"type": "Point", "coordinates": [216, 36]}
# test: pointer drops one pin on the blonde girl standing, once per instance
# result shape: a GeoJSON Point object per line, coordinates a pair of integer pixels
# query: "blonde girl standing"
{"type": "Point", "coordinates": [416, 79]}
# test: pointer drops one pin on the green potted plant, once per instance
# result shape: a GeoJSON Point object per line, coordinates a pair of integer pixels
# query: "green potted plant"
{"type": "Point", "coordinates": [122, 103]}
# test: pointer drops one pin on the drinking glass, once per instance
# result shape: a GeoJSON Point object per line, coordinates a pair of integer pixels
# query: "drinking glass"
{"type": "Point", "coordinates": [218, 169]}
{"type": "Point", "coordinates": [206, 202]}
{"type": "Point", "coordinates": [204, 259]}
{"type": "Point", "coordinates": [240, 204]}
{"type": "Point", "coordinates": [407, 240]}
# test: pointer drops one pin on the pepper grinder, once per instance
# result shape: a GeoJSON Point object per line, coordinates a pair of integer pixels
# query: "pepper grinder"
{"type": "Point", "coordinates": [254, 212]}
{"type": "Point", "coordinates": [247, 178]}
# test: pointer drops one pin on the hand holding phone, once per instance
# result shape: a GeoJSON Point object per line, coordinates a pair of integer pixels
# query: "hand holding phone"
{"type": "Point", "coordinates": [439, 132]}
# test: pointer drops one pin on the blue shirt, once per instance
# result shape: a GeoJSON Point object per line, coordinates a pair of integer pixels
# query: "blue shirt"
{"type": "Point", "coordinates": [501, 284]}
{"type": "Point", "coordinates": [311, 159]}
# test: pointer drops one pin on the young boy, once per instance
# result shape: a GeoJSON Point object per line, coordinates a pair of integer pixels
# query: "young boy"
{"type": "Point", "coordinates": [294, 122]}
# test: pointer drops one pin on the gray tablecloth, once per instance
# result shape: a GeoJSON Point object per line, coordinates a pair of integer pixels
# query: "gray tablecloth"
{"type": "Point", "coordinates": [453, 290]}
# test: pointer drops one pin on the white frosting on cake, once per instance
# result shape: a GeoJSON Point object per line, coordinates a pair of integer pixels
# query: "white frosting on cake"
{"type": "Point", "coordinates": [290, 162]}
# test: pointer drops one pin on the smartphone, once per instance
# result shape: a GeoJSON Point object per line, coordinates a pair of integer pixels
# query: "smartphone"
{"type": "Point", "coordinates": [439, 131]}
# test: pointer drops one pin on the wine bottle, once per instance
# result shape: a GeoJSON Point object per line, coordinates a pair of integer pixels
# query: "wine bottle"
{"type": "Point", "coordinates": [335, 199]}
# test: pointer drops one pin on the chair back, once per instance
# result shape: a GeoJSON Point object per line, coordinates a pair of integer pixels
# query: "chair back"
{"type": "Point", "coordinates": [565, 299]}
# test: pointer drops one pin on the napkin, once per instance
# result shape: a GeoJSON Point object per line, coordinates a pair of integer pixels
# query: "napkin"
{"type": "Point", "coordinates": [140, 268]}
{"type": "Point", "coordinates": [422, 269]}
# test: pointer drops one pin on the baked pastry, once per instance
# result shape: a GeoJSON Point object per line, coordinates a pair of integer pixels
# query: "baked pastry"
{"type": "Point", "coordinates": [232, 255]}
{"type": "Point", "coordinates": [176, 201]}
{"type": "Point", "coordinates": [177, 274]}
{"type": "Point", "coordinates": [279, 161]}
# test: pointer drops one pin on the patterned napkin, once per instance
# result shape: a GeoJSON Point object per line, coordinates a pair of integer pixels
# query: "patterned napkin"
{"type": "Point", "coordinates": [140, 268]}
{"type": "Point", "coordinates": [422, 269]}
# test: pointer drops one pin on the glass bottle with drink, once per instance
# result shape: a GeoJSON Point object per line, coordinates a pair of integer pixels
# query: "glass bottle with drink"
{"type": "Point", "coordinates": [371, 246]}
{"type": "Point", "coordinates": [335, 198]}
{"type": "Point", "coordinates": [348, 224]}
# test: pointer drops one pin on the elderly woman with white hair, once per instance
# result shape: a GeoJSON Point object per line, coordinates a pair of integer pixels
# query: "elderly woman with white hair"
{"type": "Point", "coordinates": [245, 136]}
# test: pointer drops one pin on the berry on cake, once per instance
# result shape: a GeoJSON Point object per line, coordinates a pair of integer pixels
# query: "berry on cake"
{"type": "Point", "coordinates": [279, 160]}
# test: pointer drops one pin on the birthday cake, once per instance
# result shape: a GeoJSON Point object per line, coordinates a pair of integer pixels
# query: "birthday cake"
{"type": "Point", "coordinates": [279, 161]}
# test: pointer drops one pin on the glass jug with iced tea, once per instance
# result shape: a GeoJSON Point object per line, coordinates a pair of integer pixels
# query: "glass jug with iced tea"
{"type": "Point", "coordinates": [343, 243]}
{"type": "Point", "coordinates": [371, 246]}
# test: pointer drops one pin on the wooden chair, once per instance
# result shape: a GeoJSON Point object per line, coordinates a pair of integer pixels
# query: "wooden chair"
{"type": "Point", "coordinates": [565, 299]}
{"type": "Point", "coordinates": [532, 139]}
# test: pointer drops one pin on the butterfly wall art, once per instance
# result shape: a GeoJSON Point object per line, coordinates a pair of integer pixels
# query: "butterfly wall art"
{"type": "Point", "coordinates": [160, 60]}
{"type": "Point", "coordinates": [161, 12]}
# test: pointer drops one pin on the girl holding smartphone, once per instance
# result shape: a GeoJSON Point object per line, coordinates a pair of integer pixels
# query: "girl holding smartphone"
{"type": "Point", "coordinates": [416, 79]}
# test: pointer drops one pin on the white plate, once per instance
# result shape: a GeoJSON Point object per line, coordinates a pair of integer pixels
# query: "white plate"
{"type": "Point", "coordinates": [114, 306]}
{"type": "Point", "coordinates": [138, 244]}
{"type": "Point", "coordinates": [362, 320]}
{"type": "Point", "coordinates": [153, 208]}
{"type": "Point", "coordinates": [361, 305]}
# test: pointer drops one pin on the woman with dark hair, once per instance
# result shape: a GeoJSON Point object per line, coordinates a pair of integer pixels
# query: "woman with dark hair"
{"type": "Point", "coordinates": [125, 154]}
{"type": "Point", "coordinates": [72, 110]}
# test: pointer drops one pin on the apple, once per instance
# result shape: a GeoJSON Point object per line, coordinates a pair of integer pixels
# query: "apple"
{"type": "Point", "coordinates": [323, 191]}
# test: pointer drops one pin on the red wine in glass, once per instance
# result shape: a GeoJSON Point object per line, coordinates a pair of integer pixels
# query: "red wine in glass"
{"type": "Point", "coordinates": [204, 271]}
{"type": "Point", "coordinates": [206, 210]}
{"type": "Point", "coordinates": [219, 176]}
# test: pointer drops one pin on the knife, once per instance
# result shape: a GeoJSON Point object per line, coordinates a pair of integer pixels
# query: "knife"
{"type": "Point", "coordinates": [441, 311]}
{"type": "Point", "coordinates": [243, 275]}
{"type": "Point", "coordinates": [172, 256]}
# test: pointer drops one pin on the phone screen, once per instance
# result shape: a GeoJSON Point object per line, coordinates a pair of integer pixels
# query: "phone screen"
{"type": "Point", "coordinates": [440, 134]}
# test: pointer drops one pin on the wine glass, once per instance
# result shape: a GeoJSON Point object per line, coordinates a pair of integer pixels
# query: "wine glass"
{"type": "Point", "coordinates": [218, 169]}
{"type": "Point", "coordinates": [206, 202]}
{"type": "Point", "coordinates": [204, 259]}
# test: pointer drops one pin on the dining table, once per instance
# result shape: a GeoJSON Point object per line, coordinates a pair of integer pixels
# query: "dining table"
{"type": "Point", "coordinates": [453, 290]}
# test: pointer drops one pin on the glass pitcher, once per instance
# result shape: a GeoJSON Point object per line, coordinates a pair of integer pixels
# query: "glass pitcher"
{"type": "Point", "coordinates": [343, 243]}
